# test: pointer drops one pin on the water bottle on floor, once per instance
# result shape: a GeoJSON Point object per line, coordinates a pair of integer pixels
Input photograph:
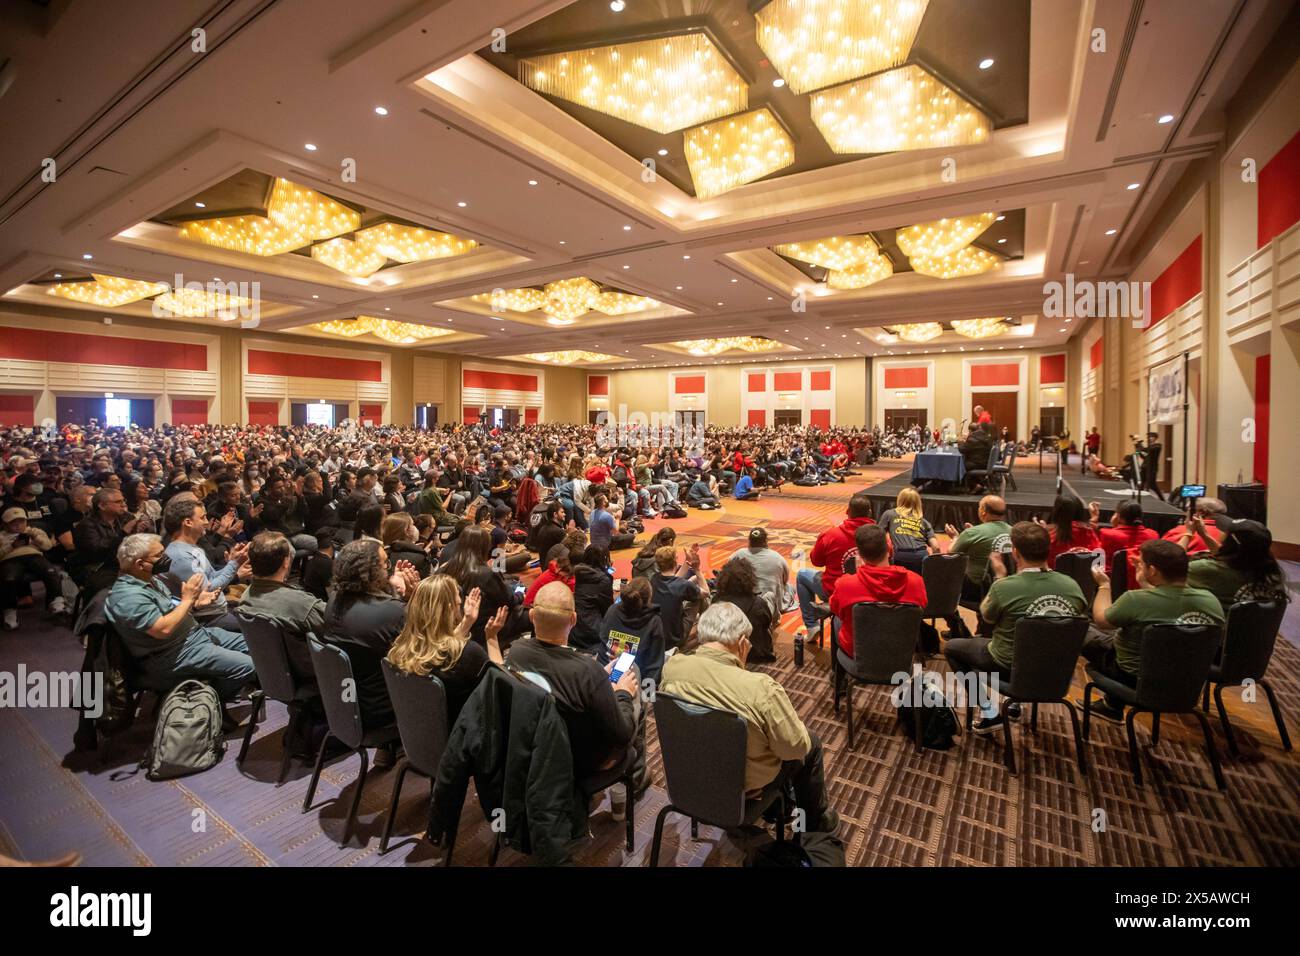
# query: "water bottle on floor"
{"type": "Point", "coordinates": [798, 650]}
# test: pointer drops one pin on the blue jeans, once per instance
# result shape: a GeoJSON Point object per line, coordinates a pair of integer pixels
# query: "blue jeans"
{"type": "Point", "coordinates": [808, 584]}
{"type": "Point", "coordinates": [208, 654]}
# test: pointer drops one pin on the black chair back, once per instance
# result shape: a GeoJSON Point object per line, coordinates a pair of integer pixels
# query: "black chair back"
{"type": "Point", "coordinates": [884, 640]}
{"type": "Point", "coordinates": [266, 647]}
{"type": "Point", "coordinates": [1176, 660]}
{"type": "Point", "coordinates": [1118, 573]}
{"type": "Point", "coordinates": [704, 759]}
{"type": "Point", "coordinates": [420, 704]}
{"type": "Point", "coordinates": [1046, 652]}
{"type": "Point", "coordinates": [1078, 565]}
{"type": "Point", "coordinates": [335, 680]}
{"type": "Point", "coordinates": [943, 575]}
{"type": "Point", "coordinates": [1249, 638]}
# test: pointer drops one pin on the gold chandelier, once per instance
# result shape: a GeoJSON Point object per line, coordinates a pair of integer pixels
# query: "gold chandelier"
{"type": "Point", "coordinates": [349, 257]}
{"type": "Point", "coordinates": [107, 291]}
{"type": "Point", "coordinates": [565, 300]}
{"type": "Point", "coordinates": [969, 261]}
{"type": "Point", "coordinates": [411, 243]}
{"type": "Point", "coordinates": [295, 216]}
{"type": "Point", "coordinates": [740, 343]}
{"type": "Point", "coordinates": [980, 328]}
{"type": "Point", "coordinates": [202, 303]}
{"type": "Point", "coordinates": [737, 150]}
{"type": "Point", "coordinates": [859, 277]}
{"type": "Point", "coordinates": [918, 331]}
{"type": "Point", "coordinates": [814, 43]}
{"type": "Point", "coordinates": [389, 330]}
{"type": "Point", "coordinates": [942, 237]}
{"type": "Point", "coordinates": [663, 85]}
{"type": "Point", "coordinates": [902, 109]}
{"type": "Point", "coordinates": [570, 357]}
{"type": "Point", "coordinates": [836, 252]}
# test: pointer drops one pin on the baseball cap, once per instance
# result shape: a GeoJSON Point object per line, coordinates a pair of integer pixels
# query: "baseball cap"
{"type": "Point", "coordinates": [1251, 536]}
{"type": "Point", "coordinates": [757, 538]}
{"type": "Point", "coordinates": [12, 514]}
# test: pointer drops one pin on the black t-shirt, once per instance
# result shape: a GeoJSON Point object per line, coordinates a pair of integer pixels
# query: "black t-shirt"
{"type": "Point", "coordinates": [365, 627]}
{"type": "Point", "coordinates": [461, 678]}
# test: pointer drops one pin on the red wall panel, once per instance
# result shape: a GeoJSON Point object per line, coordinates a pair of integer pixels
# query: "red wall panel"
{"type": "Point", "coordinates": [314, 366]}
{"type": "Point", "coordinates": [1095, 354]}
{"type": "Point", "coordinates": [757, 418]}
{"type": "Point", "coordinates": [821, 381]}
{"type": "Point", "coordinates": [18, 410]}
{"type": "Point", "coordinates": [907, 377]}
{"type": "Point", "coordinates": [1051, 369]}
{"type": "Point", "coordinates": [757, 382]}
{"type": "Point", "coordinates": [689, 385]}
{"type": "Point", "coordinates": [787, 381]}
{"type": "Point", "coordinates": [1178, 283]}
{"type": "Point", "coordinates": [820, 418]}
{"type": "Point", "coordinates": [597, 384]}
{"type": "Point", "coordinates": [530, 416]}
{"type": "Point", "coordinates": [373, 412]}
{"type": "Point", "coordinates": [1279, 192]}
{"type": "Point", "coordinates": [986, 375]}
{"type": "Point", "coordinates": [505, 381]}
{"type": "Point", "coordinates": [470, 416]}
{"type": "Point", "coordinates": [191, 411]}
{"type": "Point", "coordinates": [35, 345]}
{"type": "Point", "coordinates": [263, 413]}
{"type": "Point", "coordinates": [1263, 381]}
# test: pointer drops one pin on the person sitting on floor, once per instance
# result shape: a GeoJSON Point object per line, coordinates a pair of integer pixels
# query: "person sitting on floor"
{"type": "Point", "coordinates": [1033, 591]}
{"type": "Point", "coordinates": [779, 749]}
{"type": "Point", "coordinates": [1164, 598]}
{"type": "Point", "coordinates": [770, 569]}
{"type": "Point", "coordinates": [558, 568]}
{"type": "Point", "coordinates": [632, 625]}
{"type": "Point", "coordinates": [745, 490]}
{"type": "Point", "coordinates": [673, 586]}
{"type": "Point", "coordinates": [22, 557]}
{"type": "Point", "coordinates": [875, 581]}
{"type": "Point", "coordinates": [593, 596]}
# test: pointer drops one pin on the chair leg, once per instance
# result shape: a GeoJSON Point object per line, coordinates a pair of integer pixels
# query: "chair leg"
{"type": "Point", "coordinates": [1087, 710]}
{"type": "Point", "coordinates": [1009, 755]}
{"type": "Point", "coordinates": [630, 786]}
{"type": "Point", "coordinates": [1277, 714]}
{"type": "Point", "coordinates": [659, 834]}
{"type": "Point", "coordinates": [356, 797]}
{"type": "Point", "coordinates": [1213, 751]}
{"type": "Point", "coordinates": [392, 807]}
{"type": "Point", "coordinates": [496, 849]}
{"type": "Point", "coordinates": [1078, 738]}
{"type": "Point", "coordinates": [1155, 729]}
{"type": "Point", "coordinates": [1133, 746]}
{"type": "Point", "coordinates": [1205, 697]}
{"type": "Point", "coordinates": [848, 699]}
{"type": "Point", "coordinates": [315, 774]}
{"type": "Point", "coordinates": [257, 701]}
{"type": "Point", "coordinates": [916, 729]}
{"type": "Point", "coordinates": [695, 829]}
{"type": "Point", "coordinates": [286, 758]}
{"type": "Point", "coordinates": [1033, 718]}
{"type": "Point", "coordinates": [1223, 719]}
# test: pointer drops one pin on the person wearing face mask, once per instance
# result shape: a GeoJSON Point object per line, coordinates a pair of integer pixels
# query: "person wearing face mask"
{"type": "Point", "coordinates": [26, 494]}
{"type": "Point", "coordinates": [22, 558]}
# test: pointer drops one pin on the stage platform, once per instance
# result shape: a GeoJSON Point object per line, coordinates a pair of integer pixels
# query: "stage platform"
{"type": "Point", "coordinates": [1032, 499]}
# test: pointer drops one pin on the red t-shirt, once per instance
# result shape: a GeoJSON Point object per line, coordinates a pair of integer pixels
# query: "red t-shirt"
{"type": "Point", "coordinates": [1082, 538]}
{"type": "Point", "coordinates": [885, 583]}
{"type": "Point", "coordinates": [1197, 543]}
{"type": "Point", "coordinates": [597, 474]}
{"type": "Point", "coordinates": [543, 579]}
{"type": "Point", "coordinates": [984, 418]}
{"type": "Point", "coordinates": [1125, 536]}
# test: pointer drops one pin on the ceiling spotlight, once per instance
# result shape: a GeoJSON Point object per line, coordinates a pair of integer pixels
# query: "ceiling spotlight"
{"type": "Point", "coordinates": [310, 147]}
{"type": "Point", "coordinates": [201, 205]}
{"type": "Point", "coordinates": [617, 5]}
{"type": "Point", "coordinates": [627, 228]}
{"type": "Point", "coordinates": [314, 296]}
{"type": "Point", "coordinates": [627, 267]}
{"type": "Point", "coordinates": [87, 255]}
{"type": "Point", "coordinates": [532, 182]}
{"type": "Point", "coordinates": [1001, 241]}
{"type": "Point", "coordinates": [381, 110]}
{"type": "Point", "coordinates": [1166, 119]}
{"type": "Point", "coordinates": [685, 257]}
{"type": "Point", "coordinates": [663, 152]}
{"type": "Point", "coordinates": [986, 63]}
{"type": "Point", "coordinates": [1111, 232]}
{"type": "Point", "coordinates": [735, 280]}
{"type": "Point", "coordinates": [563, 242]}
{"type": "Point", "coordinates": [778, 82]}
{"type": "Point", "coordinates": [1132, 186]}
{"type": "Point", "coordinates": [679, 288]}
{"type": "Point", "coordinates": [462, 204]}
{"type": "Point", "coordinates": [999, 218]}
{"type": "Point", "coordinates": [58, 275]}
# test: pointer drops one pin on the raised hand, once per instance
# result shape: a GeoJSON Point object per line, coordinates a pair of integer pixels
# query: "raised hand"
{"type": "Point", "coordinates": [193, 587]}
{"type": "Point", "coordinates": [206, 597]}
{"type": "Point", "coordinates": [473, 602]}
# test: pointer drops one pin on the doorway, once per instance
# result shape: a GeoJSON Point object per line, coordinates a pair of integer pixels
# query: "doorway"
{"type": "Point", "coordinates": [426, 416]}
{"type": "Point", "coordinates": [1003, 406]}
{"type": "Point", "coordinates": [902, 419]}
{"type": "Point", "coordinates": [787, 417]}
{"type": "Point", "coordinates": [1051, 421]}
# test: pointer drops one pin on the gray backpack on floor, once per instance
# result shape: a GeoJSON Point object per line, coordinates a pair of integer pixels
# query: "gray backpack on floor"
{"type": "Point", "coordinates": [188, 736]}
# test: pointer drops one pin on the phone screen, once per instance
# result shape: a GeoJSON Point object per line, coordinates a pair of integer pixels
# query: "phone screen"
{"type": "Point", "coordinates": [520, 589]}
{"type": "Point", "coordinates": [620, 667]}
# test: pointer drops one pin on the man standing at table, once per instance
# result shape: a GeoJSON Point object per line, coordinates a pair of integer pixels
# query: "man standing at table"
{"type": "Point", "coordinates": [981, 417]}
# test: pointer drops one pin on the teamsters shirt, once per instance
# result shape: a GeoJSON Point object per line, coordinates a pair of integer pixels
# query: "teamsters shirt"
{"type": "Point", "coordinates": [1167, 604]}
{"type": "Point", "coordinates": [978, 542]}
{"type": "Point", "coordinates": [907, 532]}
{"type": "Point", "coordinates": [1028, 593]}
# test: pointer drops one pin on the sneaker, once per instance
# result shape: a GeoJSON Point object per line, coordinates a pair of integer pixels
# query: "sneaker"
{"type": "Point", "coordinates": [11, 619]}
{"type": "Point", "coordinates": [830, 823]}
{"type": "Point", "coordinates": [618, 802]}
{"type": "Point", "coordinates": [988, 725]}
{"type": "Point", "coordinates": [1106, 712]}
{"type": "Point", "coordinates": [59, 605]}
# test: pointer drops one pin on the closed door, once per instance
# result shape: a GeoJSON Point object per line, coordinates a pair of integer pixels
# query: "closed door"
{"type": "Point", "coordinates": [1003, 406]}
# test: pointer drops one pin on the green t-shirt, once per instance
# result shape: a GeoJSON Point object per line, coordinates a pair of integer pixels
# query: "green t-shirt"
{"type": "Point", "coordinates": [1028, 593]}
{"type": "Point", "coordinates": [1228, 584]}
{"type": "Point", "coordinates": [978, 542]}
{"type": "Point", "coordinates": [1167, 604]}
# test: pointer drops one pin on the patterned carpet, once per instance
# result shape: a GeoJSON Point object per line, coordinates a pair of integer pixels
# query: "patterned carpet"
{"type": "Point", "coordinates": [959, 807]}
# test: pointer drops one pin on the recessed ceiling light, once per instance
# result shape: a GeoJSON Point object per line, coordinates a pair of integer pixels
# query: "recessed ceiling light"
{"type": "Point", "coordinates": [563, 243]}
{"type": "Point", "coordinates": [1069, 320]}
{"type": "Point", "coordinates": [1133, 185]}
{"type": "Point", "coordinates": [200, 205]}
{"type": "Point", "coordinates": [999, 219]}
{"type": "Point", "coordinates": [87, 255]}
{"type": "Point", "coordinates": [381, 110]}
{"type": "Point", "coordinates": [1062, 330]}
{"type": "Point", "coordinates": [617, 5]}
{"type": "Point", "coordinates": [769, 298]}
{"type": "Point", "coordinates": [532, 182]}
{"type": "Point", "coordinates": [719, 303]}
{"type": "Point", "coordinates": [627, 267]}
{"type": "Point", "coordinates": [663, 152]}
{"type": "Point", "coordinates": [1166, 119]}
{"type": "Point", "coordinates": [58, 275]}
{"type": "Point", "coordinates": [735, 280]}
{"type": "Point", "coordinates": [310, 147]}
{"type": "Point", "coordinates": [679, 288]}
{"type": "Point", "coordinates": [1111, 232]}
{"type": "Point", "coordinates": [986, 63]}
{"type": "Point", "coordinates": [627, 228]}
{"type": "Point", "coordinates": [685, 257]}
{"type": "Point", "coordinates": [462, 204]}
{"type": "Point", "coordinates": [778, 82]}
{"type": "Point", "coordinates": [387, 309]}
{"type": "Point", "coordinates": [315, 296]}
{"type": "Point", "coordinates": [1001, 241]}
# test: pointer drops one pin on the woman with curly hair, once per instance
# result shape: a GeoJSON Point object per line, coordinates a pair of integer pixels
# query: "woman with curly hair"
{"type": "Point", "coordinates": [737, 584]}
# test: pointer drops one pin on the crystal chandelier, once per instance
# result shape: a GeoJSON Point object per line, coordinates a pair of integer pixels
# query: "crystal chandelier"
{"type": "Point", "coordinates": [859, 277]}
{"type": "Point", "coordinates": [411, 243]}
{"type": "Point", "coordinates": [737, 150]}
{"type": "Point", "coordinates": [942, 237]}
{"type": "Point", "coordinates": [201, 303]}
{"type": "Point", "coordinates": [570, 357]}
{"type": "Point", "coordinates": [741, 343]}
{"type": "Point", "coordinates": [918, 331]}
{"type": "Point", "coordinates": [980, 328]}
{"type": "Point", "coordinates": [389, 330]}
{"type": "Point", "coordinates": [814, 43]}
{"type": "Point", "coordinates": [565, 300]}
{"type": "Point", "coordinates": [295, 216]}
{"type": "Point", "coordinates": [836, 252]}
{"type": "Point", "coordinates": [969, 261]}
{"type": "Point", "coordinates": [348, 328]}
{"type": "Point", "coordinates": [107, 291]}
{"type": "Point", "coordinates": [901, 109]}
{"type": "Point", "coordinates": [253, 235]}
{"type": "Point", "coordinates": [663, 85]}
{"type": "Point", "coordinates": [349, 257]}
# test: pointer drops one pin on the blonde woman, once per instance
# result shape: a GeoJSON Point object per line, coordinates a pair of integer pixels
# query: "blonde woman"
{"type": "Point", "coordinates": [909, 532]}
{"type": "Point", "coordinates": [435, 640]}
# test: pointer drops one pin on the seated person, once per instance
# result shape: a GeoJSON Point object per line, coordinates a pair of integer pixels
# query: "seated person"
{"type": "Point", "coordinates": [1034, 590]}
{"type": "Point", "coordinates": [1163, 598]}
{"type": "Point", "coordinates": [672, 586]}
{"type": "Point", "coordinates": [1241, 566]}
{"type": "Point", "coordinates": [643, 565]}
{"type": "Point", "coordinates": [22, 558]}
{"type": "Point", "coordinates": [558, 568]}
{"type": "Point", "coordinates": [161, 633]}
{"type": "Point", "coordinates": [703, 493]}
{"type": "Point", "coordinates": [606, 531]}
{"type": "Point", "coordinates": [911, 535]}
{"type": "Point", "coordinates": [770, 569]}
{"type": "Point", "coordinates": [1208, 510]}
{"type": "Point", "coordinates": [875, 581]}
{"type": "Point", "coordinates": [593, 596]}
{"type": "Point", "coordinates": [632, 626]}
{"type": "Point", "coordinates": [977, 542]}
{"type": "Point", "coordinates": [1125, 532]}
{"type": "Point", "coordinates": [977, 447]}
{"type": "Point", "coordinates": [745, 490]}
{"type": "Point", "coordinates": [185, 521]}
{"type": "Point", "coordinates": [511, 556]}
{"type": "Point", "coordinates": [402, 542]}
{"type": "Point", "coordinates": [296, 612]}
{"type": "Point", "coordinates": [736, 584]}
{"type": "Point", "coordinates": [830, 550]}
{"type": "Point", "coordinates": [1069, 528]}
{"type": "Point", "coordinates": [779, 749]}
{"type": "Point", "coordinates": [471, 566]}
{"type": "Point", "coordinates": [318, 569]}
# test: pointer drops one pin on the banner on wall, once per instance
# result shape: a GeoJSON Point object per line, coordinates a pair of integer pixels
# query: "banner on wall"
{"type": "Point", "coordinates": [1167, 392]}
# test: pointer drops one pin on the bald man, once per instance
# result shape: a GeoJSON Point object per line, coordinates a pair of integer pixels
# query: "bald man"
{"type": "Point", "coordinates": [602, 716]}
{"type": "Point", "coordinates": [1207, 509]}
{"type": "Point", "coordinates": [977, 542]}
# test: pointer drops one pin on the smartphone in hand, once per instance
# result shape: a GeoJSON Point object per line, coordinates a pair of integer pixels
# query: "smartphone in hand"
{"type": "Point", "coordinates": [625, 660]}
